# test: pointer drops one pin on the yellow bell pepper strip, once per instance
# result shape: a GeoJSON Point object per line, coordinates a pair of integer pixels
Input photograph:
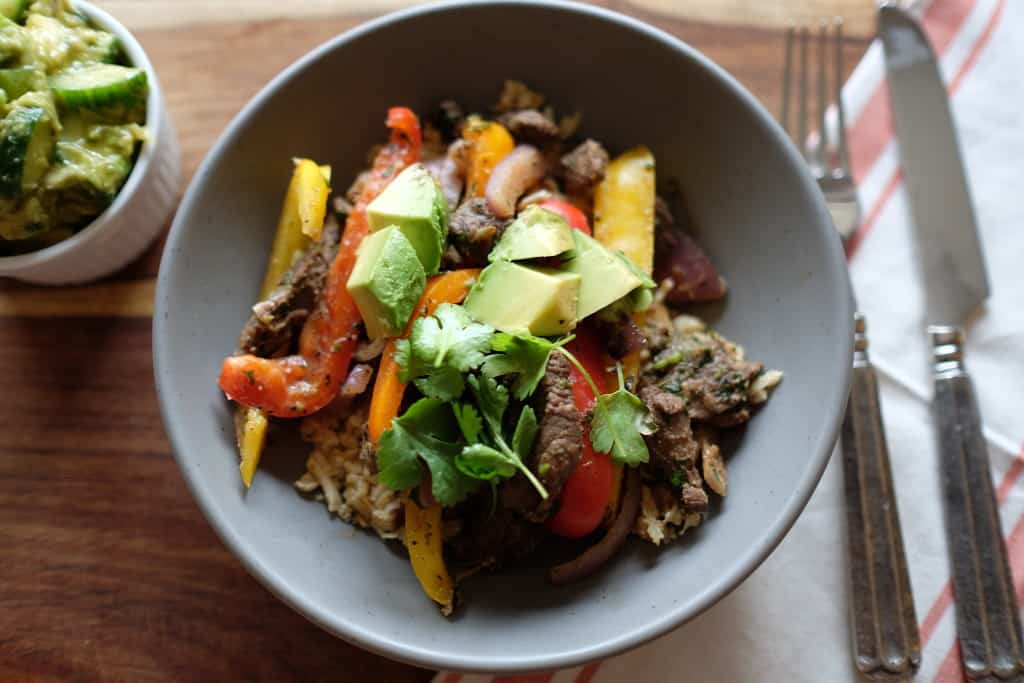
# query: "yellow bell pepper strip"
{"type": "Point", "coordinates": [423, 535]}
{"type": "Point", "coordinates": [315, 191]}
{"type": "Point", "coordinates": [388, 390]}
{"type": "Point", "coordinates": [299, 211]}
{"type": "Point", "coordinates": [252, 439]}
{"type": "Point", "coordinates": [624, 207]}
{"type": "Point", "coordinates": [300, 385]}
{"type": "Point", "coordinates": [423, 539]}
{"type": "Point", "coordinates": [491, 142]}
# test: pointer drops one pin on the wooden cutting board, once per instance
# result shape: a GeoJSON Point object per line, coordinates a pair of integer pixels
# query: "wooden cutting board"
{"type": "Point", "coordinates": [108, 571]}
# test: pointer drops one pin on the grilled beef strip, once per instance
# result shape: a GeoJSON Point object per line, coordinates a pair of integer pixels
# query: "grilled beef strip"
{"type": "Point", "coordinates": [276, 321]}
{"type": "Point", "coordinates": [558, 448]}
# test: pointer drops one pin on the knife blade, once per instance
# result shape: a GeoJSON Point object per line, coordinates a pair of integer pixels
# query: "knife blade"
{"type": "Point", "coordinates": [947, 234]}
{"type": "Point", "coordinates": [953, 269]}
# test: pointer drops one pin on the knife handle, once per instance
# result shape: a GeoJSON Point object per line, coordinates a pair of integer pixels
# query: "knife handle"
{"type": "Point", "coordinates": [987, 616]}
{"type": "Point", "coordinates": [887, 644]}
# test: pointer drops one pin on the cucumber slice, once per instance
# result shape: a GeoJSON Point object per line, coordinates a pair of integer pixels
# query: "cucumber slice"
{"type": "Point", "coordinates": [116, 91]}
{"type": "Point", "coordinates": [109, 49]}
{"type": "Point", "coordinates": [26, 146]}
{"type": "Point", "coordinates": [14, 9]}
{"type": "Point", "coordinates": [17, 82]}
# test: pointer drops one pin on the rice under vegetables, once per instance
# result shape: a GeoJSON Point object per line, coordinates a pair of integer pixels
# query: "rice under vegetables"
{"type": "Point", "coordinates": [342, 471]}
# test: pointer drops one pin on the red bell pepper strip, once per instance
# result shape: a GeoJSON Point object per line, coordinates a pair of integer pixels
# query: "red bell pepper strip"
{"type": "Point", "coordinates": [576, 218]}
{"type": "Point", "coordinates": [584, 499]}
{"type": "Point", "coordinates": [299, 385]}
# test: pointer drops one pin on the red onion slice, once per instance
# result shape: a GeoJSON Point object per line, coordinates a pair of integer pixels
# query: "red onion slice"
{"type": "Point", "coordinates": [511, 177]}
{"type": "Point", "coordinates": [594, 557]}
{"type": "Point", "coordinates": [446, 171]}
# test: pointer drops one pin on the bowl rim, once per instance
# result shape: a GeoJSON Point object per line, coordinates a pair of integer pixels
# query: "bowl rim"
{"type": "Point", "coordinates": [347, 626]}
{"type": "Point", "coordinates": [154, 101]}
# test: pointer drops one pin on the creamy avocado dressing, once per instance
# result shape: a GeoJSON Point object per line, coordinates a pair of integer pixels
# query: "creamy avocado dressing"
{"type": "Point", "coordinates": [70, 122]}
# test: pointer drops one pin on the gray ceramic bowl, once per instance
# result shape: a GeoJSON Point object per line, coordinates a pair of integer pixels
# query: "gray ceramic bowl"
{"type": "Point", "coordinates": [759, 215]}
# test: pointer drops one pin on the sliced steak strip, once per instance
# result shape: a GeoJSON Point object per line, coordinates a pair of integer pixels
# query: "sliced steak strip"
{"type": "Point", "coordinates": [558, 448]}
{"type": "Point", "coordinates": [529, 125]}
{"type": "Point", "coordinates": [673, 446]}
{"type": "Point", "coordinates": [584, 167]}
{"type": "Point", "coordinates": [277, 320]}
{"type": "Point", "coordinates": [473, 230]}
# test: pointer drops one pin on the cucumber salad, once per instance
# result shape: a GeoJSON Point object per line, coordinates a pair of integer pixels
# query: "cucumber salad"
{"type": "Point", "coordinates": [71, 115]}
{"type": "Point", "coordinates": [490, 345]}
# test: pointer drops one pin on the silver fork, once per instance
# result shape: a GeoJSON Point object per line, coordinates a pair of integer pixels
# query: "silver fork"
{"type": "Point", "coordinates": [886, 641]}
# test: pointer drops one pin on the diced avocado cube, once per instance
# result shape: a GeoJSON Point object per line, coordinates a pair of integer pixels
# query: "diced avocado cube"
{"type": "Point", "coordinates": [413, 201]}
{"type": "Point", "coordinates": [386, 282]}
{"type": "Point", "coordinates": [523, 299]}
{"type": "Point", "coordinates": [605, 276]}
{"type": "Point", "coordinates": [535, 233]}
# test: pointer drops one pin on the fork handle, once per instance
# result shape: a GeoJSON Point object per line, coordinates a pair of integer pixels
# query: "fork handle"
{"type": "Point", "coordinates": [987, 616]}
{"type": "Point", "coordinates": [886, 640]}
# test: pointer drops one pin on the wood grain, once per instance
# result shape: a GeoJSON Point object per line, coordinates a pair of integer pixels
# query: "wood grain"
{"type": "Point", "coordinates": [162, 14]}
{"type": "Point", "coordinates": [109, 571]}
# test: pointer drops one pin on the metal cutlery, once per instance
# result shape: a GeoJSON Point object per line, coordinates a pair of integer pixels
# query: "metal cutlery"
{"type": "Point", "coordinates": [884, 626]}
{"type": "Point", "coordinates": [953, 268]}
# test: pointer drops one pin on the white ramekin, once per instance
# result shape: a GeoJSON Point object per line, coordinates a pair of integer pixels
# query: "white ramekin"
{"type": "Point", "coordinates": [142, 207]}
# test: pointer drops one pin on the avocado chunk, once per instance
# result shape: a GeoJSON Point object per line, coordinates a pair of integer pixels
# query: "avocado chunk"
{"type": "Point", "coordinates": [413, 201]}
{"type": "Point", "coordinates": [535, 233]}
{"type": "Point", "coordinates": [386, 282]}
{"type": "Point", "coordinates": [523, 299]}
{"type": "Point", "coordinates": [605, 276]}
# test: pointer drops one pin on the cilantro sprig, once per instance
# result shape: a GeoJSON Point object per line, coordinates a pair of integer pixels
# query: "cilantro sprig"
{"type": "Point", "coordinates": [463, 436]}
{"type": "Point", "coordinates": [621, 420]}
{"type": "Point", "coordinates": [488, 455]}
{"type": "Point", "coordinates": [425, 431]}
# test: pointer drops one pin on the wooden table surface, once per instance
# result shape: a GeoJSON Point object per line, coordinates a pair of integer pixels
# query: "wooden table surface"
{"type": "Point", "coordinates": [108, 571]}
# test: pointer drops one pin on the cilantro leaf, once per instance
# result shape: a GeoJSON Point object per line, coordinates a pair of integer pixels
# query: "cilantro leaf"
{"type": "Point", "coordinates": [525, 434]}
{"type": "Point", "coordinates": [492, 400]}
{"type": "Point", "coordinates": [522, 355]}
{"type": "Point", "coordinates": [483, 462]}
{"type": "Point", "coordinates": [444, 383]}
{"type": "Point", "coordinates": [620, 422]}
{"type": "Point", "coordinates": [429, 431]}
{"type": "Point", "coordinates": [450, 338]}
{"type": "Point", "coordinates": [440, 349]}
{"type": "Point", "coordinates": [469, 421]}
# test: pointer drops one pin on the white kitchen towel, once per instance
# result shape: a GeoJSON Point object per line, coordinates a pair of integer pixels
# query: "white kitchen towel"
{"type": "Point", "coordinates": [788, 621]}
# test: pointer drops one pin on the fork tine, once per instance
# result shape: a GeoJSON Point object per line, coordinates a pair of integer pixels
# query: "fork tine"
{"type": "Point", "coordinates": [802, 104]}
{"type": "Point", "coordinates": [821, 149]}
{"type": "Point", "coordinates": [844, 151]}
{"type": "Point", "coordinates": [787, 78]}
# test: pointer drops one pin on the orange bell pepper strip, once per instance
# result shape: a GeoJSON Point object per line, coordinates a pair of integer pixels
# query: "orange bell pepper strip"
{"type": "Point", "coordinates": [388, 390]}
{"type": "Point", "coordinates": [299, 385]}
{"type": "Point", "coordinates": [423, 534]}
{"type": "Point", "coordinates": [491, 142]}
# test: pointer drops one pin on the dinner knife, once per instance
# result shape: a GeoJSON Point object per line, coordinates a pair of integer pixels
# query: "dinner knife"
{"type": "Point", "coordinates": [953, 269]}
